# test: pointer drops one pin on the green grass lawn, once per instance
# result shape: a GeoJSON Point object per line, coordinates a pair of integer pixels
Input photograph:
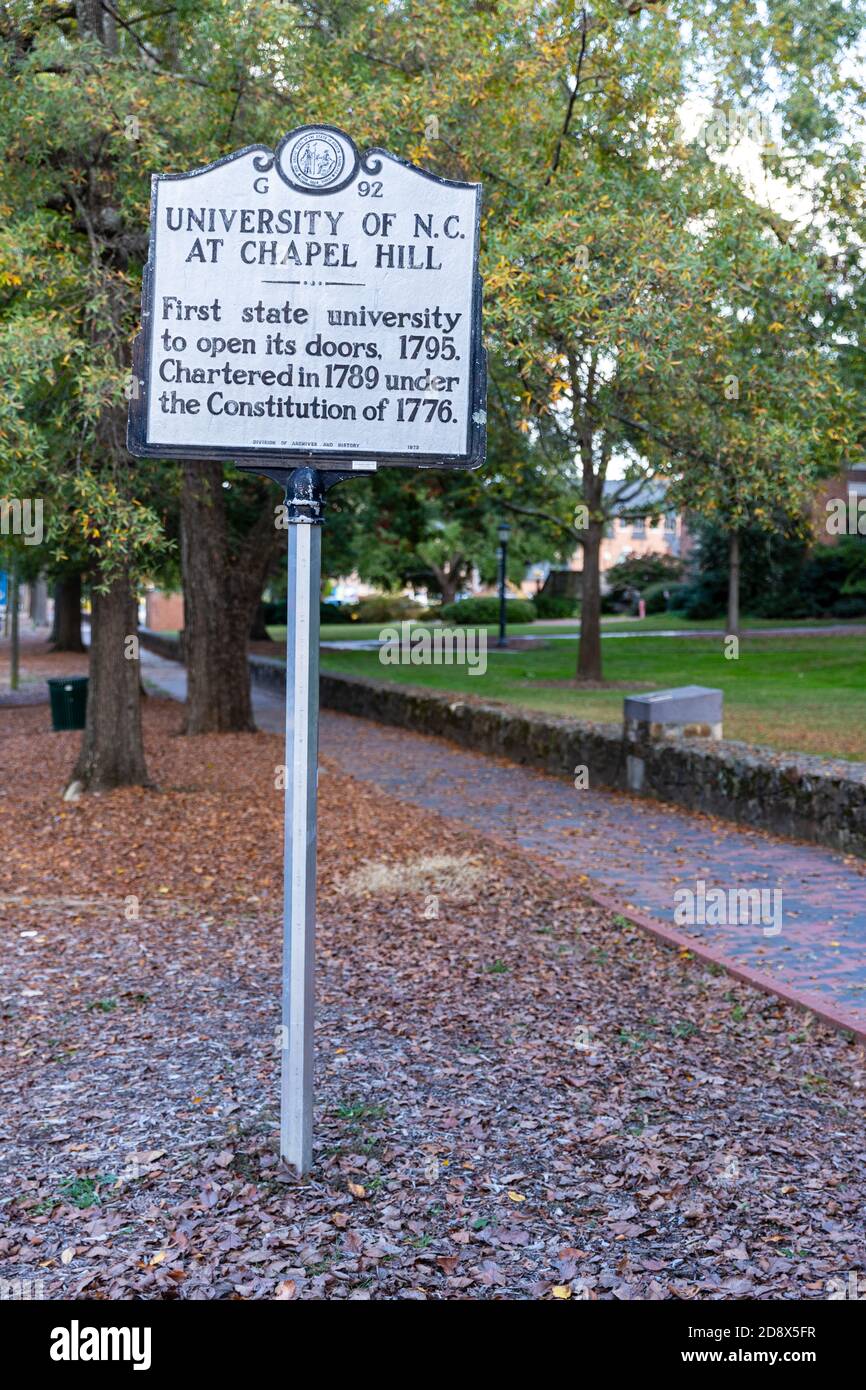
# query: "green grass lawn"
{"type": "Point", "coordinates": [804, 693]}
{"type": "Point", "coordinates": [659, 622]}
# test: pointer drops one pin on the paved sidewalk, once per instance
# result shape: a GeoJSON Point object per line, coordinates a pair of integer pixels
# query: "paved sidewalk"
{"type": "Point", "coordinates": [636, 851]}
{"type": "Point", "coordinates": [169, 677]}
{"type": "Point", "coordinates": [368, 644]}
{"type": "Point", "coordinates": [160, 674]}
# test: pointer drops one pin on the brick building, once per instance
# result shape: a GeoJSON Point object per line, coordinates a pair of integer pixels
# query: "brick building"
{"type": "Point", "coordinates": [630, 532]}
{"type": "Point", "coordinates": [163, 612]}
{"type": "Point", "coordinates": [849, 488]}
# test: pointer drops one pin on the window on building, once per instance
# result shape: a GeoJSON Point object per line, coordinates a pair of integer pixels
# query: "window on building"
{"type": "Point", "coordinates": [670, 523]}
{"type": "Point", "coordinates": [638, 528]}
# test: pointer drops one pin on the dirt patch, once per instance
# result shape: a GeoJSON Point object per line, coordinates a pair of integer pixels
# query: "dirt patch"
{"type": "Point", "coordinates": [446, 875]}
{"type": "Point", "coordinates": [520, 644]}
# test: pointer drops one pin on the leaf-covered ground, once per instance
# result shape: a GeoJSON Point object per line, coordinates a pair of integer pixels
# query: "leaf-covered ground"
{"type": "Point", "coordinates": [519, 1097]}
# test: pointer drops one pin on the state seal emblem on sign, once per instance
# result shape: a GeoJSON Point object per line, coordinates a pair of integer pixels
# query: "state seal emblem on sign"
{"type": "Point", "coordinates": [317, 160]}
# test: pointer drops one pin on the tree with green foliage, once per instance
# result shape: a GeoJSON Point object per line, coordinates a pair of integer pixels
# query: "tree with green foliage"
{"type": "Point", "coordinates": [98, 97]}
{"type": "Point", "coordinates": [760, 413]}
{"type": "Point", "coordinates": [612, 304]}
{"type": "Point", "coordinates": [433, 529]}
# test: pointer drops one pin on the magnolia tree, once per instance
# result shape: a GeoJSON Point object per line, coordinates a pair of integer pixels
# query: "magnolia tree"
{"type": "Point", "coordinates": [97, 98]}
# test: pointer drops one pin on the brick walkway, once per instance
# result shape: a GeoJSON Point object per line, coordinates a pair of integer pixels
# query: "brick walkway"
{"type": "Point", "coordinates": [638, 852]}
{"type": "Point", "coordinates": [635, 851]}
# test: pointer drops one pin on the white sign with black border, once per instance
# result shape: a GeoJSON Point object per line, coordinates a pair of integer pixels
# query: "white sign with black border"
{"type": "Point", "coordinates": [314, 306]}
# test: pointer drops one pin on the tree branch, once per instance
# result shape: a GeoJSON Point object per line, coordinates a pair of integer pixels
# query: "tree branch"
{"type": "Point", "coordinates": [576, 536]}
{"type": "Point", "coordinates": [569, 111]}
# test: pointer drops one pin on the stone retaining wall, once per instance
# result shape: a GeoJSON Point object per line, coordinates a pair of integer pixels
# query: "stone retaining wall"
{"type": "Point", "coordinates": [169, 647]}
{"type": "Point", "coordinates": [792, 794]}
{"type": "Point", "coordinates": [268, 672]}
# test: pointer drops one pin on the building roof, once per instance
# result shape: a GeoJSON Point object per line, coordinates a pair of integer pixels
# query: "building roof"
{"type": "Point", "coordinates": [639, 497]}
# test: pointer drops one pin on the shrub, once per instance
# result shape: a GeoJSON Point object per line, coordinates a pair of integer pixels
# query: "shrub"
{"type": "Point", "coordinates": [774, 578]}
{"type": "Point", "coordinates": [850, 606]}
{"type": "Point", "coordinates": [330, 613]}
{"type": "Point", "coordinates": [656, 596]}
{"type": "Point", "coordinates": [274, 613]}
{"type": "Point", "coordinates": [640, 571]}
{"type": "Point", "coordinates": [384, 608]}
{"type": "Point", "coordinates": [676, 595]}
{"type": "Point", "coordinates": [631, 579]}
{"type": "Point", "coordinates": [855, 550]}
{"type": "Point", "coordinates": [702, 599]}
{"type": "Point", "coordinates": [832, 575]}
{"type": "Point", "coordinates": [781, 604]}
{"type": "Point", "coordinates": [555, 606]}
{"type": "Point", "coordinates": [479, 612]}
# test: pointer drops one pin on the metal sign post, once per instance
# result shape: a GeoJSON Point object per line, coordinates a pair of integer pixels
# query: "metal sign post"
{"type": "Point", "coordinates": [310, 312]}
{"type": "Point", "coordinates": [304, 499]}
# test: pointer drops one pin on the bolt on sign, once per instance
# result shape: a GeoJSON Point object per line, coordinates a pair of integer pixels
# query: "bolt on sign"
{"type": "Point", "coordinates": [315, 305]}
{"type": "Point", "coordinates": [308, 312]}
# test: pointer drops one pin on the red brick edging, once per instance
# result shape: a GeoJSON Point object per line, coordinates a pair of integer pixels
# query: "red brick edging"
{"type": "Point", "coordinates": [800, 999]}
{"type": "Point", "coordinates": [669, 936]}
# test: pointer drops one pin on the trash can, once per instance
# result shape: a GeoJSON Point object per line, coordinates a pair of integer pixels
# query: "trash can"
{"type": "Point", "coordinates": [68, 702]}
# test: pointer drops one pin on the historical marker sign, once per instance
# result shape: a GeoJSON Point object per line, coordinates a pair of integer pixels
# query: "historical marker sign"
{"type": "Point", "coordinates": [312, 305]}
{"type": "Point", "coordinates": [305, 311]}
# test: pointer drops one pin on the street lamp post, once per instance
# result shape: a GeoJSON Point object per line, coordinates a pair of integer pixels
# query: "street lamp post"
{"type": "Point", "coordinates": [504, 533]}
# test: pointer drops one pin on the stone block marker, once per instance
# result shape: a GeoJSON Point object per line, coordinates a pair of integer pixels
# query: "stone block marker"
{"type": "Point", "coordinates": [687, 711]}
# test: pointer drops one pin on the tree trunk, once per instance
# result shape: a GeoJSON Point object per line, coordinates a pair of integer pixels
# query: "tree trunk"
{"type": "Point", "coordinates": [734, 584]}
{"type": "Point", "coordinates": [91, 19]}
{"type": "Point", "coordinates": [450, 577]}
{"type": "Point", "coordinates": [220, 592]}
{"type": "Point", "coordinates": [218, 681]}
{"type": "Point", "coordinates": [258, 630]}
{"type": "Point", "coordinates": [14, 647]}
{"type": "Point", "coordinates": [66, 632]}
{"type": "Point", "coordinates": [38, 602]}
{"type": "Point", "coordinates": [450, 588]}
{"type": "Point", "coordinates": [589, 647]}
{"type": "Point", "coordinates": [112, 750]}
